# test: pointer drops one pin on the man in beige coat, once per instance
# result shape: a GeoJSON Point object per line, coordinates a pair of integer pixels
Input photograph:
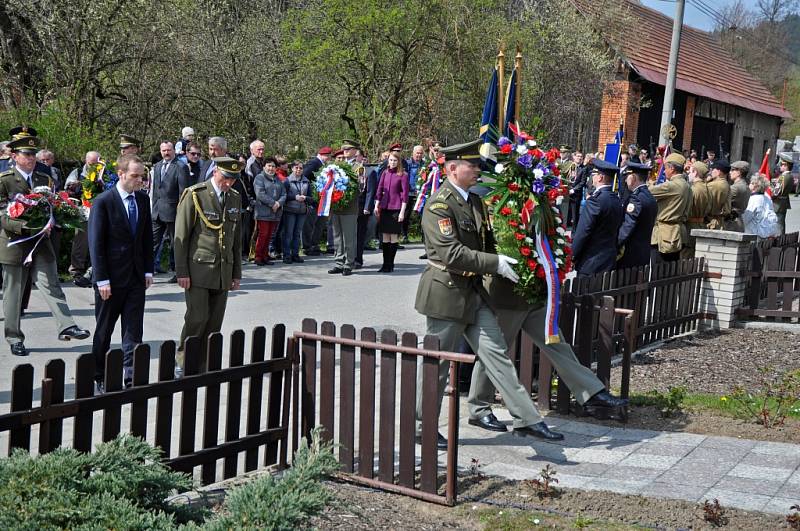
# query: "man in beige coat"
{"type": "Point", "coordinates": [674, 198]}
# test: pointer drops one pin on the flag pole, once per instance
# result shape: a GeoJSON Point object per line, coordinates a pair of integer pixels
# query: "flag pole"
{"type": "Point", "coordinates": [518, 88]}
{"type": "Point", "coordinates": [501, 103]}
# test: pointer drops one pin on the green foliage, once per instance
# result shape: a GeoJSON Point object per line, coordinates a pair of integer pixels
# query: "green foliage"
{"type": "Point", "coordinates": [668, 403]}
{"type": "Point", "coordinates": [776, 397]}
{"type": "Point", "coordinates": [286, 502]}
{"type": "Point", "coordinates": [122, 485]}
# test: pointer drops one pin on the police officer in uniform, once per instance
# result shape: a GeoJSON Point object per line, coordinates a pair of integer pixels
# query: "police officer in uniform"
{"type": "Point", "coordinates": [459, 244]}
{"type": "Point", "coordinates": [21, 179]}
{"type": "Point", "coordinates": [781, 188]}
{"type": "Point", "coordinates": [633, 239]}
{"type": "Point", "coordinates": [208, 250]}
{"type": "Point", "coordinates": [719, 191]}
{"type": "Point", "coordinates": [674, 198]}
{"type": "Point", "coordinates": [594, 246]}
{"type": "Point", "coordinates": [700, 207]}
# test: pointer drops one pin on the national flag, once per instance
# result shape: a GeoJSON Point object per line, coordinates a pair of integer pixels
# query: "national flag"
{"type": "Point", "coordinates": [613, 152]}
{"type": "Point", "coordinates": [488, 133]}
{"type": "Point", "coordinates": [511, 104]}
{"type": "Point", "coordinates": [662, 174]}
{"type": "Point", "coordinates": [764, 170]}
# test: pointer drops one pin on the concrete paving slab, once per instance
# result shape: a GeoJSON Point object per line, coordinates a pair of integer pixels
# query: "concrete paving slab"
{"type": "Point", "coordinates": [644, 461]}
{"type": "Point", "coordinates": [741, 484]}
{"type": "Point", "coordinates": [789, 490]}
{"type": "Point", "coordinates": [771, 460]}
{"type": "Point", "coordinates": [651, 448]}
{"type": "Point", "coordinates": [605, 457]}
{"type": "Point", "coordinates": [609, 443]}
{"type": "Point", "coordinates": [688, 439]}
{"type": "Point", "coordinates": [631, 473]}
{"type": "Point", "coordinates": [727, 443]}
{"type": "Point", "coordinates": [776, 448]}
{"type": "Point", "coordinates": [740, 500]}
{"type": "Point", "coordinates": [583, 428]}
{"type": "Point", "coordinates": [715, 455]}
{"type": "Point", "coordinates": [692, 477]}
{"type": "Point", "coordinates": [778, 505]}
{"type": "Point", "coordinates": [760, 472]}
{"type": "Point", "coordinates": [581, 469]}
{"type": "Point", "coordinates": [626, 434]}
{"type": "Point", "coordinates": [574, 482]}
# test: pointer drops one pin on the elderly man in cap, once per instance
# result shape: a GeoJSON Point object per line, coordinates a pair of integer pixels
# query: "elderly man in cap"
{"type": "Point", "coordinates": [594, 245]}
{"type": "Point", "coordinates": [314, 225]}
{"type": "Point", "coordinates": [21, 259]}
{"type": "Point", "coordinates": [674, 198]}
{"type": "Point", "coordinates": [129, 145]}
{"type": "Point", "coordinates": [633, 239]}
{"type": "Point", "coordinates": [719, 190]}
{"type": "Point", "coordinates": [740, 194]}
{"type": "Point", "coordinates": [208, 250]}
{"type": "Point", "coordinates": [700, 207]}
{"type": "Point", "coordinates": [781, 188]}
{"type": "Point", "coordinates": [458, 240]}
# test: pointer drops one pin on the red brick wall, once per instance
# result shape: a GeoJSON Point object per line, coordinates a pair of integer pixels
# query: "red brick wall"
{"type": "Point", "coordinates": [688, 123]}
{"type": "Point", "coordinates": [621, 99]}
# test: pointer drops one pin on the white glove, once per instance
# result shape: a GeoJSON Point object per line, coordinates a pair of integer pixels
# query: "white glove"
{"type": "Point", "coordinates": [504, 268]}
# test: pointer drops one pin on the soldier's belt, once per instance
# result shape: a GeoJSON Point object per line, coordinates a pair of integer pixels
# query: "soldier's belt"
{"type": "Point", "coordinates": [441, 267]}
{"type": "Point", "coordinates": [696, 220]}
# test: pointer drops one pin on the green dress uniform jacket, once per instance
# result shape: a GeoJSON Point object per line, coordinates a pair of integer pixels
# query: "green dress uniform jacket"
{"type": "Point", "coordinates": [459, 244]}
{"type": "Point", "coordinates": [698, 214]}
{"type": "Point", "coordinates": [719, 191]}
{"type": "Point", "coordinates": [208, 243]}
{"type": "Point", "coordinates": [674, 198]}
{"type": "Point", "coordinates": [781, 188]}
{"type": "Point", "coordinates": [12, 182]}
{"type": "Point", "coordinates": [740, 196]}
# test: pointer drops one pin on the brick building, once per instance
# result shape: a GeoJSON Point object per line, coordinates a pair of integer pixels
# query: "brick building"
{"type": "Point", "coordinates": [715, 97]}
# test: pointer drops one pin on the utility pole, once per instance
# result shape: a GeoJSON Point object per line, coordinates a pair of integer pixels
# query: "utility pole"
{"type": "Point", "coordinates": [672, 72]}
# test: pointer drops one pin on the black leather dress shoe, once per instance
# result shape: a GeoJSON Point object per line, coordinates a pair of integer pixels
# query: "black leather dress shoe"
{"type": "Point", "coordinates": [441, 442]}
{"type": "Point", "coordinates": [488, 422]}
{"type": "Point", "coordinates": [539, 430]}
{"type": "Point", "coordinates": [347, 272]}
{"type": "Point", "coordinates": [606, 399]}
{"type": "Point", "coordinates": [335, 271]}
{"type": "Point", "coordinates": [297, 260]}
{"type": "Point", "coordinates": [73, 332]}
{"type": "Point", "coordinates": [424, 256]}
{"type": "Point", "coordinates": [18, 349]}
{"type": "Point", "coordinates": [173, 280]}
{"type": "Point", "coordinates": [314, 252]}
{"type": "Point", "coordinates": [82, 282]}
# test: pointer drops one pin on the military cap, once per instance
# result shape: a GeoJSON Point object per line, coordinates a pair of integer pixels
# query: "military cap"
{"type": "Point", "coordinates": [350, 144]}
{"type": "Point", "coordinates": [397, 146]}
{"type": "Point", "coordinates": [338, 153]}
{"type": "Point", "coordinates": [230, 168]}
{"type": "Point", "coordinates": [700, 168]}
{"type": "Point", "coordinates": [722, 165]}
{"type": "Point", "coordinates": [786, 157]}
{"type": "Point", "coordinates": [467, 151]}
{"type": "Point", "coordinates": [741, 165]}
{"type": "Point", "coordinates": [324, 151]}
{"type": "Point", "coordinates": [564, 147]}
{"type": "Point", "coordinates": [675, 158]}
{"type": "Point", "coordinates": [25, 144]}
{"type": "Point", "coordinates": [635, 167]}
{"type": "Point", "coordinates": [128, 140]}
{"type": "Point", "coordinates": [605, 167]}
{"type": "Point", "coordinates": [21, 131]}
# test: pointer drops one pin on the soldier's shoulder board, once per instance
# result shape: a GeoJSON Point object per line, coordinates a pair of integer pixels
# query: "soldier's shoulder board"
{"type": "Point", "coordinates": [438, 205]}
{"type": "Point", "coordinates": [8, 172]}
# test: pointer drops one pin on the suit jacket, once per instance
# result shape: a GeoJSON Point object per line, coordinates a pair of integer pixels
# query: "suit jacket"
{"type": "Point", "coordinates": [634, 235]}
{"type": "Point", "coordinates": [119, 256]}
{"type": "Point", "coordinates": [311, 167]}
{"type": "Point", "coordinates": [366, 197]}
{"type": "Point", "coordinates": [167, 189]}
{"type": "Point", "coordinates": [12, 183]}
{"type": "Point", "coordinates": [205, 174]}
{"type": "Point", "coordinates": [594, 246]}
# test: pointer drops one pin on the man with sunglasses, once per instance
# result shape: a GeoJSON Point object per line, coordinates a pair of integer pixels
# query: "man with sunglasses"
{"type": "Point", "coordinates": [192, 153]}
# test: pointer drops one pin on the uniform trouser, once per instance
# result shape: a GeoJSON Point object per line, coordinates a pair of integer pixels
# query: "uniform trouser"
{"type": "Point", "coordinates": [574, 211]}
{"type": "Point", "coordinates": [782, 222]}
{"type": "Point", "coordinates": [412, 199]}
{"type": "Point", "coordinates": [79, 256]}
{"type": "Point", "coordinates": [485, 338]}
{"type": "Point", "coordinates": [161, 229]}
{"type": "Point", "coordinates": [46, 277]}
{"type": "Point", "coordinates": [345, 236]}
{"type": "Point", "coordinates": [657, 257]}
{"type": "Point", "coordinates": [127, 306]}
{"type": "Point", "coordinates": [582, 382]}
{"type": "Point", "coordinates": [205, 310]}
{"type": "Point", "coordinates": [361, 236]}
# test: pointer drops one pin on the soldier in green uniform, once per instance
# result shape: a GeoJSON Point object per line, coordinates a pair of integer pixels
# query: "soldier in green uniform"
{"type": "Point", "coordinates": [719, 190]}
{"type": "Point", "coordinates": [700, 208]}
{"type": "Point", "coordinates": [129, 145]}
{"type": "Point", "coordinates": [21, 179]}
{"type": "Point", "coordinates": [781, 188]}
{"type": "Point", "coordinates": [740, 194]}
{"type": "Point", "coordinates": [674, 198]}
{"type": "Point", "coordinates": [460, 249]}
{"type": "Point", "coordinates": [515, 314]}
{"type": "Point", "coordinates": [208, 250]}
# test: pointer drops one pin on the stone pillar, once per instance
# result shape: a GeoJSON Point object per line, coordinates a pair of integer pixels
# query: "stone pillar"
{"type": "Point", "coordinates": [727, 255]}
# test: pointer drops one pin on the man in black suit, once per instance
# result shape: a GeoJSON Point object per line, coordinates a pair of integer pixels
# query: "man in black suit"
{"type": "Point", "coordinates": [170, 179]}
{"type": "Point", "coordinates": [315, 225]}
{"type": "Point", "coordinates": [641, 209]}
{"type": "Point", "coordinates": [121, 247]}
{"type": "Point", "coordinates": [594, 245]}
{"type": "Point", "coordinates": [367, 186]}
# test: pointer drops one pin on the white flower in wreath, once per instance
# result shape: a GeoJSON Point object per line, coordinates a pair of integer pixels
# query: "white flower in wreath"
{"type": "Point", "coordinates": [561, 230]}
{"type": "Point", "coordinates": [522, 149]}
{"type": "Point", "coordinates": [558, 219]}
{"type": "Point", "coordinates": [559, 200]}
{"type": "Point", "coordinates": [561, 241]}
{"type": "Point", "coordinates": [535, 254]}
{"type": "Point", "coordinates": [528, 240]}
{"type": "Point", "coordinates": [559, 252]}
{"type": "Point", "coordinates": [559, 261]}
{"type": "Point", "coordinates": [532, 142]}
{"type": "Point", "coordinates": [512, 204]}
{"type": "Point", "coordinates": [538, 173]}
{"type": "Point", "coordinates": [499, 168]}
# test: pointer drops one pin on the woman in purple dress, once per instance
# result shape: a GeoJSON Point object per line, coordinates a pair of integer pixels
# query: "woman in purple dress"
{"type": "Point", "coordinates": [391, 202]}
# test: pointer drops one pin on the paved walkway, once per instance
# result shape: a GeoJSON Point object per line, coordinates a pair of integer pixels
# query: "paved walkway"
{"type": "Point", "coordinates": [750, 475]}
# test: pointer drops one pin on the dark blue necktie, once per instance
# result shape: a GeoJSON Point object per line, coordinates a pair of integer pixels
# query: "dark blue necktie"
{"type": "Point", "coordinates": [131, 213]}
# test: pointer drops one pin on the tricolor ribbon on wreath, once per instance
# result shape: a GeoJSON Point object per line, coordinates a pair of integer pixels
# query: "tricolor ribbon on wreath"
{"type": "Point", "coordinates": [326, 194]}
{"type": "Point", "coordinates": [430, 187]}
{"type": "Point", "coordinates": [39, 236]}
